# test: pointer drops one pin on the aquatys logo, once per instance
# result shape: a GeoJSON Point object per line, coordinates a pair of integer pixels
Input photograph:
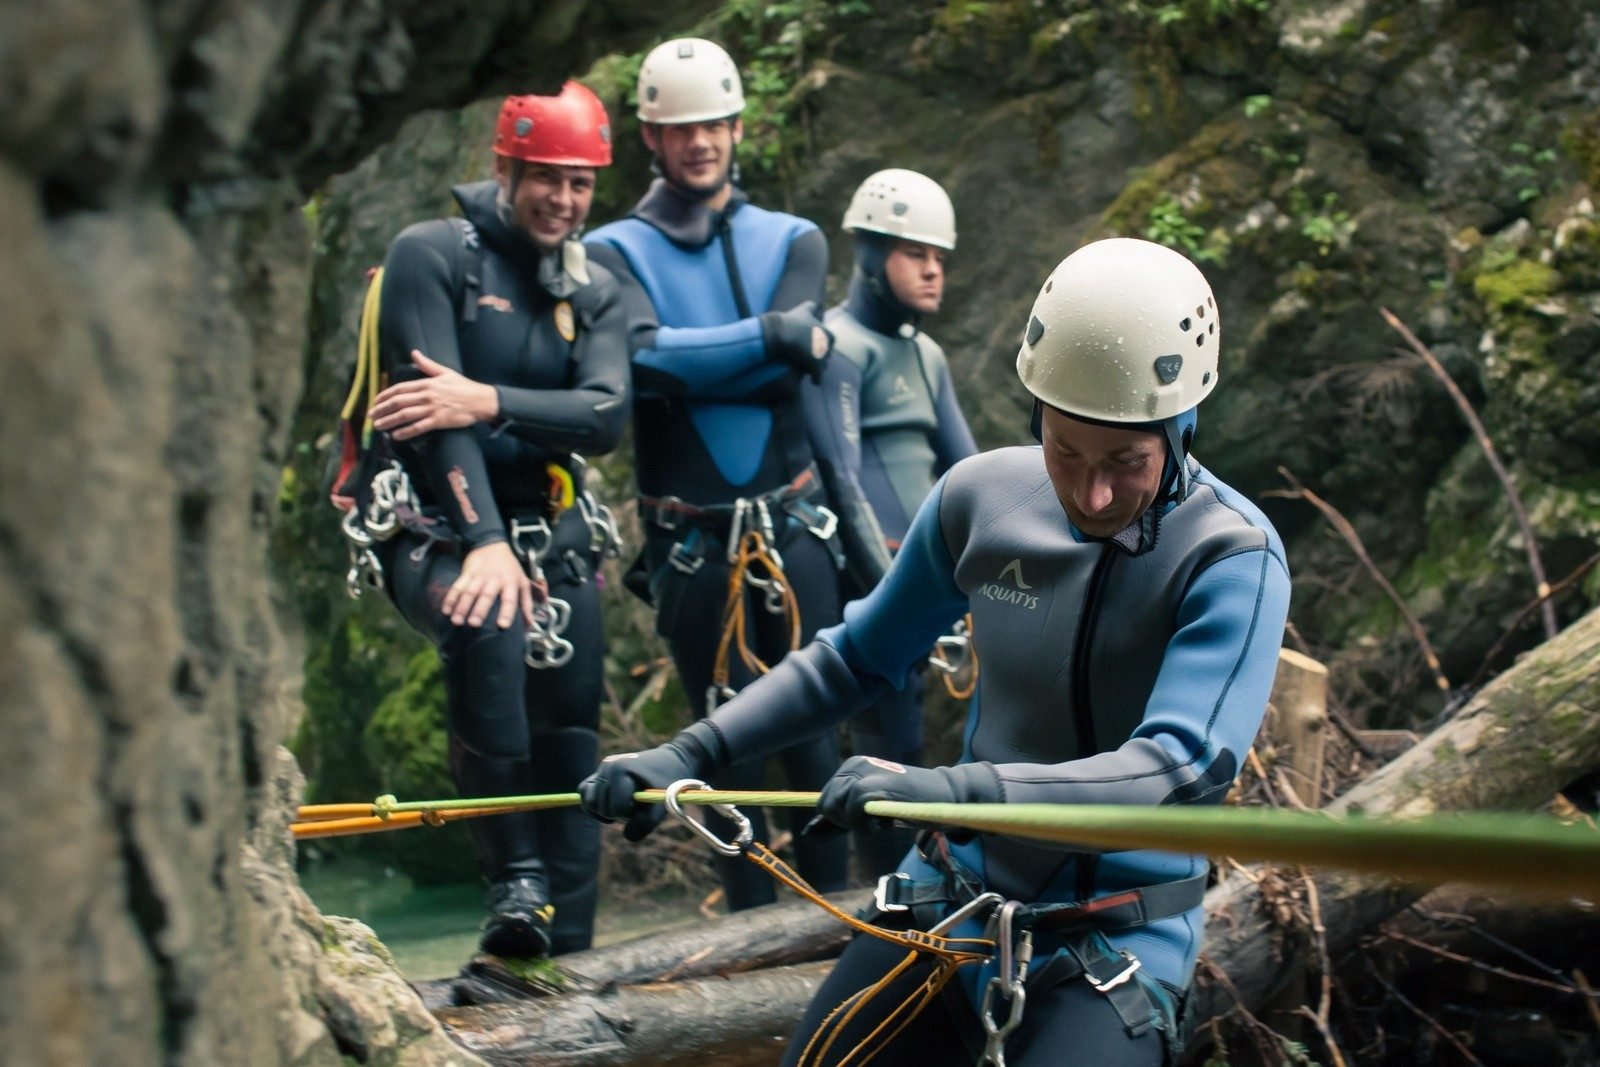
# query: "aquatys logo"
{"type": "Point", "coordinates": [1014, 592]}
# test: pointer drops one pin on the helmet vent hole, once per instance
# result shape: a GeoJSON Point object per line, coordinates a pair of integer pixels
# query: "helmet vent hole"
{"type": "Point", "coordinates": [1210, 303]}
{"type": "Point", "coordinates": [1212, 328]}
{"type": "Point", "coordinates": [1200, 311]}
{"type": "Point", "coordinates": [1049, 284]}
{"type": "Point", "coordinates": [1185, 324]}
{"type": "Point", "coordinates": [1035, 330]}
{"type": "Point", "coordinates": [1205, 379]}
{"type": "Point", "coordinates": [1199, 340]}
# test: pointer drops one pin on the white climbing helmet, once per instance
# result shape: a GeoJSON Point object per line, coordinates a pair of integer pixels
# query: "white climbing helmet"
{"type": "Point", "coordinates": [903, 204]}
{"type": "Point", "coordinates": [689, 80]}
{"type": "Point", "coordinates": [1123, 331]}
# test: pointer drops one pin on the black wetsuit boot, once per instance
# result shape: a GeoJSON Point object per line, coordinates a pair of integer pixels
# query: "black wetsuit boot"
{"type": "Point", "coordinates": [518, 900]}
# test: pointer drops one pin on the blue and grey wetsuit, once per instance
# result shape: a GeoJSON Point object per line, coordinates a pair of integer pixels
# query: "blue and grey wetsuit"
{"type": "Point", "coordinates": [892, 387]}
{"type": "Point", "coordinates": [912, 430]}
{"type": "Point", "coordinates": [554, 348]}
{"type": "Point", "coordinates": [1108, 677]}
{"type": "Point", "coordinates": [718, 418]}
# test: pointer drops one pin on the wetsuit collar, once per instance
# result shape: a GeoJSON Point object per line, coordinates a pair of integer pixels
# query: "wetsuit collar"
{"type": "Point", "coordinates": [682, 220]}
{"type": "Point", "coordinates": [559, 273]}
{"type": "Point", "coordinates": [871, 299]}
{"type": "Point", "coordinates": [878, 310]}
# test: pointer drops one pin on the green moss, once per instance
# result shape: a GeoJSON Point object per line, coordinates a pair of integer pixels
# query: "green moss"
{"type": "Point", "coordinates": [1519, 283]}
{"type": "Point", "coordinates": [537, 972]}
{"type": "Point", "coordinates": [406, 740]}
{"type": "Point", "coordinates": [1580, 141]}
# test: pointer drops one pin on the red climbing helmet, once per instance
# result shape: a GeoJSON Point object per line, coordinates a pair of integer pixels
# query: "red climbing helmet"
{"type": "Point", "coordinates": [570, 128]}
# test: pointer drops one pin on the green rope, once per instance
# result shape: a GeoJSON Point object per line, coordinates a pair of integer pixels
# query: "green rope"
{"type": "Point", "coordinates": [1528, 853]}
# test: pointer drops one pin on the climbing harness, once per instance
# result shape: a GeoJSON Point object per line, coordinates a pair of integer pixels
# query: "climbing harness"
{"type": "Point", "coordinates": [751, 535]}
{"type": "Point", "coordinates": [952, 655]}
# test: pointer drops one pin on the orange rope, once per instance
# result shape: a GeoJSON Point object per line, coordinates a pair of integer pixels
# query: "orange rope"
{"type": "Point", "coordinates": [752, 550]}
{"type": "Point", "coordinates": [950, 954]}
{"type": "Point", "coordinates": [324, 825]}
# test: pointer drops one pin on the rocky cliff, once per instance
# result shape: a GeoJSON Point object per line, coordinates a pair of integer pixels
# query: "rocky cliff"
{"type": "Point", "coordinates": [155, 160]}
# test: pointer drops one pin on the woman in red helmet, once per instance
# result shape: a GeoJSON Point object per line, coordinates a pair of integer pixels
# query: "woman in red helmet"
{"type": "Point", "coordinates": [507, 359]}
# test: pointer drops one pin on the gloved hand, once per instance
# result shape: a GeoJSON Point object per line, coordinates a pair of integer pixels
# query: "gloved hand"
{"type": "Point", "coordinates": [863, 778]}
{"type": "Point", "coordinates": [798, 337]}
{"type": "Point", "coordinates": [607, 794]}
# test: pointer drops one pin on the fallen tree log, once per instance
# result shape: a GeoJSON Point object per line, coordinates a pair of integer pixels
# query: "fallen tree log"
{"type": "Point", "coordinates": [1459, 923]}
{"type": "Point", "coordinates": [743, 1021]}
{"type": "Point", "coordinates": [1531, 731]}
{"type": "Point", "coordinates": [771, 936]}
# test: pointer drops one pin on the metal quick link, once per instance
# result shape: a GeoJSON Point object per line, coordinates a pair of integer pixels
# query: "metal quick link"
{"type": "Point", "coordinates": [546, 647]}
{"type": "Point", "coordinates": [391, 490]}
{"type": "Point", "coordinates": [365, 570]}
{"type": "Point", "coordinates": [1009, 982]}
{"type": "Point", "coordinates": [604, 538]}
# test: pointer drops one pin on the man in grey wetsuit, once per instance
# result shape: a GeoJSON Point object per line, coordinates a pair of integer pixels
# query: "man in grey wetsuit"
{"type": "Point", "coordinates": [1128, 607]}
{"type": "Point", "coordinates": [893, 386]}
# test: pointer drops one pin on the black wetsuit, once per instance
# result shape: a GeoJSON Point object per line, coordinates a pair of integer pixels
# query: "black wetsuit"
{"type": "Point", "coordinates": [718, 418]}
{"type": "Point", "coordinates": [554, 348]}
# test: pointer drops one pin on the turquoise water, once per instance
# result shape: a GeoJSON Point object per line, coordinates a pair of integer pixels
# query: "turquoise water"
{"type": "Point", "coordinates": [433, 930]}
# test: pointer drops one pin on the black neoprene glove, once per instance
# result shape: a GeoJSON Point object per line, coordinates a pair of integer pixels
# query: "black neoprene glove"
{"type": "Point", "coordinates": [607, 794]}
{"type": "Point", "coordinates": [789, 335]}
{"type": "Point", "coordinates": [863, 778]}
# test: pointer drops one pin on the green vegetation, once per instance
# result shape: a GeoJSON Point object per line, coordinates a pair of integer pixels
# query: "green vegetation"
{"type": "Point", "coordinates": [1520, 282]}
{"type": "Point", "coordinates": [1169, 225]}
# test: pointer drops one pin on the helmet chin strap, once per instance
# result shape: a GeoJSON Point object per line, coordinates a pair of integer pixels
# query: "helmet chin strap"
{"type": "Point", "coordinates": [1179, 433]}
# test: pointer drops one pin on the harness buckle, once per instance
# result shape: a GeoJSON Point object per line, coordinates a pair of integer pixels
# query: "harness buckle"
{"type": "Point", "coordinates": [666, 515]}
{"type": "Point", "coordinates": [684, 560]}
{"type": "Point", "coordinates": [1125, 974]}
{"type": "Point", "coordinates": [880, 895]}
{"type": "Point", "coordinates": [827, 523]}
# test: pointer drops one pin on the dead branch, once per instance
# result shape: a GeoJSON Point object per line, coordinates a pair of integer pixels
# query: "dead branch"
{"type": "Point", "coordinates": [1516, 624]}
{"type": "Point", "coordinates": [1530, 542]}
{"type": "Point", "coordinates": [1353, 539]}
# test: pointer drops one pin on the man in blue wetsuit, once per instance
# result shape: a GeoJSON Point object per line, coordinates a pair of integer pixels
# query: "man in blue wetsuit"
{"type": "Point", "coordinates": [722, 299]}
{"type": "Point", "coordinates": [1128, 606]}
{"type": "Point", "coordinates": [899, 398]}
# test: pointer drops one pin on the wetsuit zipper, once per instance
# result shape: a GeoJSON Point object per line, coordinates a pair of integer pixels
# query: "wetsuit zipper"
{"type": "Point", "coordinates": [1082, 714]}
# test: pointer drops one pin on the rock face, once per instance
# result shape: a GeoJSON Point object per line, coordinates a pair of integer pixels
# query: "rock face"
{"type": "Point", "coordinates": [153, 280]}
